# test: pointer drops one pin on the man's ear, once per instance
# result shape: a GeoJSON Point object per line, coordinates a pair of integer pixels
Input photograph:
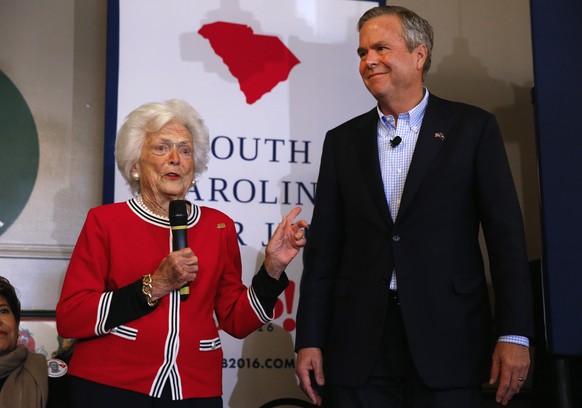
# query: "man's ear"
{"type": "Point", "coordinates": [421, 53]}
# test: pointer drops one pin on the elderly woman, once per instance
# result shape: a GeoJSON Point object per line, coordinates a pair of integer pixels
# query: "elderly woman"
{"type": "Point", "coordinates": [23, 375]}
{"type": "Point", "coordinates": [138, 343]}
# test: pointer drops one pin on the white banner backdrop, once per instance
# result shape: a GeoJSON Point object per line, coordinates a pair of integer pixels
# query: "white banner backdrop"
{"type": "Point", "coordinates": [269, 78]}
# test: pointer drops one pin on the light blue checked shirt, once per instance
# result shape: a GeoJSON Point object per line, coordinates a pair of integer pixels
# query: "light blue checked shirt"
{"type": "Point", "coordinates": [394, 164]}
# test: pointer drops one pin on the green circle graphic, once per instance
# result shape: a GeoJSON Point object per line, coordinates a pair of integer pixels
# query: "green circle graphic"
{"type": "Point", "coordinates": [19, 153]}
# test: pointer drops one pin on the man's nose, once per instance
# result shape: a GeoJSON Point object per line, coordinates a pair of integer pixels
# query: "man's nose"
{"type": "Point", "coordinates": [371, 58]}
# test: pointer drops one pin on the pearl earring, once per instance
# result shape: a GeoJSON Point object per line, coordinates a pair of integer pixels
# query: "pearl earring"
{"type": "Point", "coordinates": [135, 176]}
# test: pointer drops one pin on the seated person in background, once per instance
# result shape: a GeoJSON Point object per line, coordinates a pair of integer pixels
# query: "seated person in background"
{"type": "Point", "coordinates": [23, 375]}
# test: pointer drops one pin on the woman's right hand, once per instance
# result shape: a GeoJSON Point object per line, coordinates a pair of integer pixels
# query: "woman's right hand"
{"type": "Point", "coordinates": [176, 270]}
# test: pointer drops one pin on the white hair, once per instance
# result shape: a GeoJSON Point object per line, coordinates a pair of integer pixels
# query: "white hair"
{"type": "Point", "coordinates": [151, 117]}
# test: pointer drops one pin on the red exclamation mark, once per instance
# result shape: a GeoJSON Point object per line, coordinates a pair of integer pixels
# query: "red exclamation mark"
{"type": "Point", "coordinates": [289, 323]}
{"type": "Point", "coordinates": [289, 294]}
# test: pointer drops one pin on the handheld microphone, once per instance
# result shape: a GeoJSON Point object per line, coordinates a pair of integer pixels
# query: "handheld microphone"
{"type": "Point", "coordinates": [179, 225]}
{"type": "Point", "coordinates": [396, 141]}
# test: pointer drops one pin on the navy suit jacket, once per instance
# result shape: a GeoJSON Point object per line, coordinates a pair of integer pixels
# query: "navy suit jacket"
{"type": "Point", "coordinates": [454, 185]}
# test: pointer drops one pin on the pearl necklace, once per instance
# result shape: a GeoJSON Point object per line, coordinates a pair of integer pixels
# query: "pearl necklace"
{"type": "Point", "coordinates": [160, 213]}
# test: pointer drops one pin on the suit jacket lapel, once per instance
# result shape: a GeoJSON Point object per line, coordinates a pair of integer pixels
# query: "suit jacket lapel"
{"type": "Point", "coordinates": [437, 120]}
{"type": "Point", "coordinates": [365, 142]}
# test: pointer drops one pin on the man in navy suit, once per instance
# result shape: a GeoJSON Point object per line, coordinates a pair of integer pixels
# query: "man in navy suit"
{"type": "Point", "coordinates": [394, 308]}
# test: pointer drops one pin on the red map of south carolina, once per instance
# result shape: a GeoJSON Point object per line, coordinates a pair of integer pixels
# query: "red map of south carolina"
{"type": "Point", "coordinates": [258, 62]}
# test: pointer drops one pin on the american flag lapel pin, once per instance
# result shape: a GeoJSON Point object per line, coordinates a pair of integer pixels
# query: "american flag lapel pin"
{"type": "Point", "coordinates": [440, 135]}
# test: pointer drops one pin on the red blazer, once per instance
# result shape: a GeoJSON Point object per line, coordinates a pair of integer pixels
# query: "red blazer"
{"type": "Point", "coordinates": [454, 185]}
{"type": "Point", "coordinates": [178, 342]}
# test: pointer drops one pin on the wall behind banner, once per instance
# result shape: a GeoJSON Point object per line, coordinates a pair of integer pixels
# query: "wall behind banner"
{"type": "Point", "coordinates": [55, 55]}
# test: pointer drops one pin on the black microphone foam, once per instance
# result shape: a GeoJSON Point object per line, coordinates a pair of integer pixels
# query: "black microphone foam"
{"type": "Point", "coordinates": [396, 141]}
{"type": "Point", "coordinates": [179, 225]}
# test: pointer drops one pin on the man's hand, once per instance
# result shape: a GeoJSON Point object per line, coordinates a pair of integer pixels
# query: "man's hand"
{"type": "Point", "coordinates": [309, 360]}
{"type": "Point", "coordinates": [510, 366]}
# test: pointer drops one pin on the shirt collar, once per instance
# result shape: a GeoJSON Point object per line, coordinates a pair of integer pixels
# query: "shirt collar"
{"type": "Point", "coordinates": [415, 115]}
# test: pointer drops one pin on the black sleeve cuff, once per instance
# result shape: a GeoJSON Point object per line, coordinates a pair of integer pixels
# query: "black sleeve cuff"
{"type": "Point", "coordinates": [268, 289]}
{"type": "Point", "coordinates": [127, 304]}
